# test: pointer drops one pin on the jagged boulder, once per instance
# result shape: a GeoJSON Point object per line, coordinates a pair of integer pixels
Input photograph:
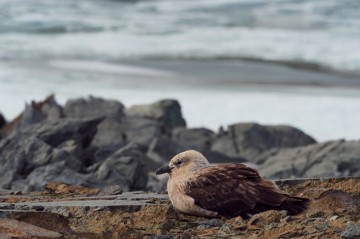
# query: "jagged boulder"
{"type": "Point", "coordinates": [329, 159]}
{"type": "Point", "coordinates": [35, 112]}
{"type": "Point", "coordinates": [196, 138]}
{"type": "Point", "coordinates": [92, 107]}
{"type": "Point", "coordinates": [167, 112]}
{"type": "Point", "coordinates": [126, 167]}
{"type": "Point", "coordinates": [33, 152]}
{"type": "Point", "coordinates": [250, 140]}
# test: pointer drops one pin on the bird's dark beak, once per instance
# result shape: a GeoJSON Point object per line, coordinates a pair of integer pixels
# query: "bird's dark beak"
{"type": "Point", "coordinates": [162, 170]}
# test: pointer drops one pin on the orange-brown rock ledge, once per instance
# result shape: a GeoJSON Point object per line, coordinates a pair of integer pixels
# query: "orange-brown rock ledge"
{"type": "Point", "coordinates": [69, 211]}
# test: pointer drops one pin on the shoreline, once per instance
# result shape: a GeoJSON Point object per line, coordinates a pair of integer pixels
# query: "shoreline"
{"type": "Point", "coordinates": [226, 92]}
{"type": "Point", "coordinates": [249, 72]}
{"type": "Point", "coordinates": [224, 72]}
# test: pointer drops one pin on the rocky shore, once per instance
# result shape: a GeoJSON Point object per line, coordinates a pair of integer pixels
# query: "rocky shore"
{"type": "Point", "coordinates": [99, 142]}
{"type": "Point", "coordinates": [68, 211]}
{"type": "Point", "coordinates": [86, 170]}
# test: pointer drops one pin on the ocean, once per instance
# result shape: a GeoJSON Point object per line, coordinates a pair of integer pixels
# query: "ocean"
{"type": "Point", "coordinates": [274, 62]}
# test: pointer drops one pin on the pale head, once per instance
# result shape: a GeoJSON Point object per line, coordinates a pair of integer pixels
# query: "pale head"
{"type": "Point", "coordinates": [186, 162]}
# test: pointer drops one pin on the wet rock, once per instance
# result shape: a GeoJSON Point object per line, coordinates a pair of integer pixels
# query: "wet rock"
{"type": "Point", "coordinates": [130, 129]}
{"type": "Point", "coordinates": [59, 172]}
{"type": "Point", "coordinates": [35, 112]}
{"type": "Point", "coordinates": [334, 158]}
{"type": "Point", "coordinates": [160, 151]}
{"type": "Point", "coordinates": [110, 132]}
{"type": "Point", "coordinates": [249, 140]}
{"type": "Point", "coordinates": [41, 153]}
{"type": "Point", "coordinates": [126, 168]}
{"type": "Point", "coordinates": [11, 166]}
{"type": "Point", "coordinates": [352, 231]}
{"type": "Point", "coordinates": [93, 107]}
{"type": "Point", "coordinates": [141, 130]}
{"type": "Point", "coordinates": [157, 183]}
{"type": "Point", "coordinates": [217, 157]}
{"type": "Point", "coordinates": [167, 112]}
{"type": "Point", "coordinates": [55, 133]}
{"type": "Point", "coordinates": [197, 138]}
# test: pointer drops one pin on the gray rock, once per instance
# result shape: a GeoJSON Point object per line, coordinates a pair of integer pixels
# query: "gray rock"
{"type": "Point", "coordinates": [35, 112]}
{"type": "Point", "coordinates": [157, 183]}
{"type": "Point", "coordinates": [197, 138]}
{"type": "Point", "coordinates": [329, 159]}
{"type": "Point", "coordinates": [94, 107]}
{"type": "Point", "coordinates": [352, 231]}
{"type": "Point", "coordinates": [216, 157]}
{"type": "Point", "coordinates": [141, 130]}
{"type": "Point", "coordinates": [11, 168]}
{"type": "Point", "coordinates": [30, 116]}
{"type": "Point", "coordinates": [58, 172]}
{"type": "Point", "coordinates": [110, 132]}
{"type": "Point", "coordinates": [160, 151]}
{"type": "Point", "coordinates": [50, 108]}
{"type": "Point", "coordinates": [125, 168]}
{"type": "Point", "coordinates": [57, 132]}
{"type": "Point", "coordinates": [46, 151]}
{"type": "Point", "coordinates": [249, 140]}
{"type": "Point", "coordinates": [167, 112]}
{"type": "Point", "coordinates": [130, 129]}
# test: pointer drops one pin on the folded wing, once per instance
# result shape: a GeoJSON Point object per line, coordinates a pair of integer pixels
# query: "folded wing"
{"type": "Point", "coordinates": [235, 189]}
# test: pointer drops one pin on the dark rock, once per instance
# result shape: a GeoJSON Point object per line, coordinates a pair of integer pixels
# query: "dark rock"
{"type": "Point", "coordinates": [45, 151]}
{"type": "Point", "coordinates": [197, 138]}
{"type": "Point", "coordinates": [110, 132]}
{"type": "Point", "coordinates": [226, 145]}
{"type": "Point", "coordinates": [352, 231]}
{"type": "Point", "coordinates": [51, 109]}
{"type": "Point", "coordinates": [94, 107]}
{"type": "Point", "coordinates": [156, 183]}
{"type": "Point", "coordinates": [30, 116]}
{"type": "Point", "coordinates": [216, 157]}
{"type": "Point", "coordinates": [11, 166]}
{"type": "Point", "coordinates": [58, 172]}
{"type": "Point", "coordinates": [250, 140]}
{"type": "Point", "coordinates": [167, 112]}
{"type": "Point", "coordinates": [58, 132]}
{"type": "Point", "coordinates": [160, 151]}
{"type": "Point", "coordinates": [35, 112]}
{"type": "Point", "coordinates": [139, 130]}
{"type": "Point", "coordinates": [125, 168]}
{"type": "Point", "coordinates": [2, 120]}
{"type": "Point", "coordinates": [329, 159]}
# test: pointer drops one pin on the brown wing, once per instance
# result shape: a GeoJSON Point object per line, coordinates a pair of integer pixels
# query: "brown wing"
{"type": "Point", "coordinates": [234, 189]}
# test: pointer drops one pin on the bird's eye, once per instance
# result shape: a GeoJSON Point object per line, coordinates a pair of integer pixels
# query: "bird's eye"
{"type": "Point", "coordinates": [179, 162]}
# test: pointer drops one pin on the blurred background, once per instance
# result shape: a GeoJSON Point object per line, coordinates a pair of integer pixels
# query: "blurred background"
{"type": "Point", "coordinates": [226, 61]}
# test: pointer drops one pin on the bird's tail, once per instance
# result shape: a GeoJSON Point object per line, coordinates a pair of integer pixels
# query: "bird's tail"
{"type": "Point", "coordinates": [294, 205]}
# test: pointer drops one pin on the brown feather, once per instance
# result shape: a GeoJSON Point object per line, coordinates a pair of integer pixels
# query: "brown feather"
{"type": "Point", "coordinates": [234, 189]}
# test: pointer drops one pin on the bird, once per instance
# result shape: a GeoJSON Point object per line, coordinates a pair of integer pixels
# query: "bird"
{"type": "Point", "coordinates": [224, 190]}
